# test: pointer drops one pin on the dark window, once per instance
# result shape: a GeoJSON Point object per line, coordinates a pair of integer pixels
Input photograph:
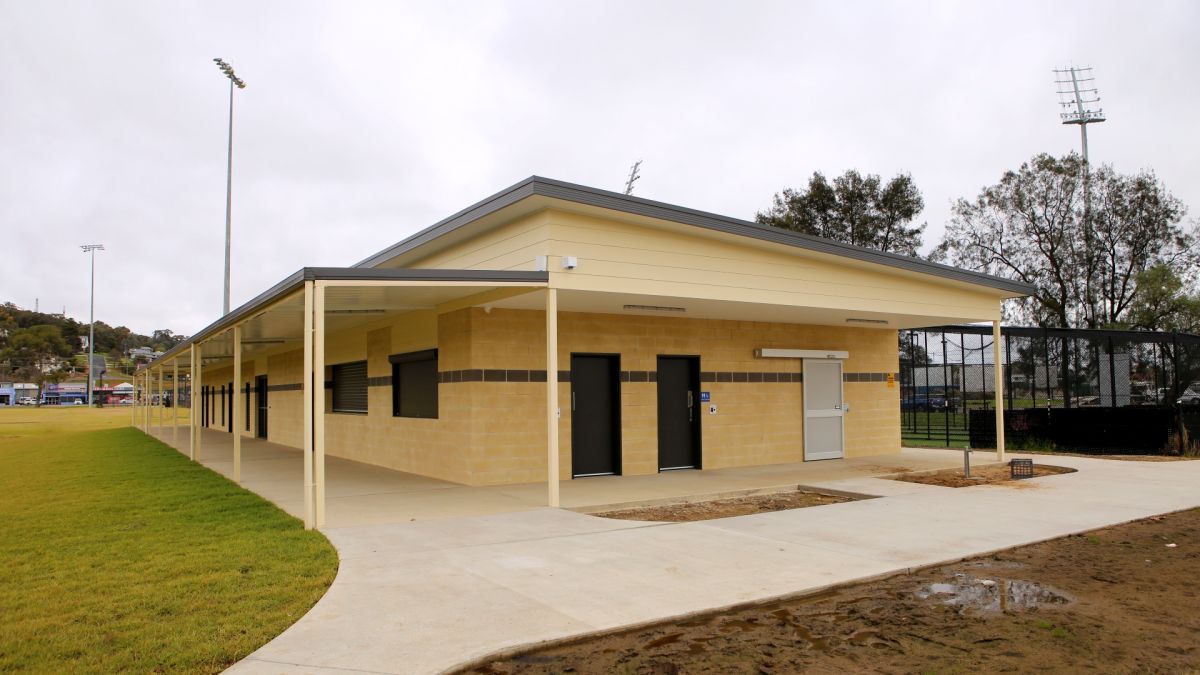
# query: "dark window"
{"type": "Point", "coordinates": [247, 399]}
{"type": "Point", "coordinates": [222, 405]}
{"type": "Point", "coordinates": [350, 387]}
{"type": "Point", "coordinates": [415, 384]}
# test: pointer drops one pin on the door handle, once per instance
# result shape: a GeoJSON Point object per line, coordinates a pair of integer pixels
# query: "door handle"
{"type": "Point", "coordinates": [689, 398]}
{"type": "Point", "coordinates": [572, 400]}
{"type": "Point", "coordinates": [691, 409]}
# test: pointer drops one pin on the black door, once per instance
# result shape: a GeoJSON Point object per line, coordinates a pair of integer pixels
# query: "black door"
{"type": "Point", "coordinates": [678, 412]}
{"type": "Point", "coordinates": [260, 396]}
{"type": "Point", "coordinates": [231, 398]}
{"type": "Point", "coordinates": [595, 415]}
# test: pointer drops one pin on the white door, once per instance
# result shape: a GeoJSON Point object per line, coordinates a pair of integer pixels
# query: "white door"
{"type": "Point", "coordinates": [823, 409]}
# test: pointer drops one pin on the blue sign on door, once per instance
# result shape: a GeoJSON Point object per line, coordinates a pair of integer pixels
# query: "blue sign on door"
{"type": "Point", "coordinates": [705, 397]}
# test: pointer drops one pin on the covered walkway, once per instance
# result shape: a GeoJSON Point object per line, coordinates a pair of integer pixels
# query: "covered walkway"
{"type": "Point", "coordinates": [365, 494]}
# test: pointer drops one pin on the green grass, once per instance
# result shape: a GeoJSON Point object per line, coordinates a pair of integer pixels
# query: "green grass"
{"type": "Point", "coordinates": [119, 554]}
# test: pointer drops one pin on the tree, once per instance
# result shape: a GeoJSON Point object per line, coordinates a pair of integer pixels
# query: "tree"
{"type": "Point", "coordinates": [163, 339]}
{"type": "Point", "coordinates": [1082, 255]}
{"type": "Point", "coordinates": [1163, 303]}
{"type": "Point", "coordinates": [31, 353]}
{"type": "Point", "coordinates": [855, 209]}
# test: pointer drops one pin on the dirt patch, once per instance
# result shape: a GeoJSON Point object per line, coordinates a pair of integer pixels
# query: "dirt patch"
{"type": "Point", "coordinates": [1114, 600]}
{"type": "Point", "coordinates": [980, 475]}
{"type": "Point", "coordinates": [725, 508]}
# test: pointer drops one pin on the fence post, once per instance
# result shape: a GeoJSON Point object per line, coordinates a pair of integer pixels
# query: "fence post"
{"type": "Point", "coordinates": [1066, 382]}
{"type": "Point", "coordinates": [945, 390]}
{"type": "Point", "coordinates": [1046, 349]}
{"type": "Point", "coordinates": [1112, 372]}
{"type": "Point", "coordinates": [1177, 392]}
{"type": "Point", "coordinates": [1008, 364]}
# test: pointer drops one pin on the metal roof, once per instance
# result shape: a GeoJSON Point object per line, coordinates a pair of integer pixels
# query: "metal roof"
{"type": "Point", "coordinates": [581, 194]}
{"type": "Point", "coordinates": [296, 281]}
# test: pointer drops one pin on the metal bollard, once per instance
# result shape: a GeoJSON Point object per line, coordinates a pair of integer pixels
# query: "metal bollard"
{"type": "Point", "coordinates": [967, 462]}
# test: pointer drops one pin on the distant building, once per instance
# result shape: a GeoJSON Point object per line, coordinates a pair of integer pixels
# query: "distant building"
{"type": "Point", "coordinates": [11, 393]}
{"type": "Point", "coordinates": [25, 390]}
{"type": "Point", "coordinates": [143, 353]}
{"type": "Point", "coordinates": [64, 393]}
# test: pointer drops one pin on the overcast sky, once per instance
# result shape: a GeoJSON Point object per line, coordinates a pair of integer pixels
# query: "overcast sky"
{"type": "Point", "coordinates": [364, 122]}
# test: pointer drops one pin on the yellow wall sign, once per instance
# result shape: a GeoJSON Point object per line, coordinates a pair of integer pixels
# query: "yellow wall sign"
{"type": "Point", "coordinates": [891, 380]}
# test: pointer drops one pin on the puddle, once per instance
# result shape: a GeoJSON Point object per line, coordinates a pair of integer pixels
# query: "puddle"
{"type": "Point", "coordinates": [992, 596]}
{"type": "Point", "coordinates": [664, 640]}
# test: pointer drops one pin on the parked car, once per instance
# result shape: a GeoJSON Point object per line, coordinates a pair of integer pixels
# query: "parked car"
{"type": "Point", "coordinates": [1191, 395]}
{"type": "Point", "coordinates": [27, 400]}
{"type": "Point", "coordinates": [923, 402]}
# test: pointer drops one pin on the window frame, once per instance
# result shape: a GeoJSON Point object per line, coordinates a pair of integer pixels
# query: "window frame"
{"type": "Point", "coordinates": [399, 362]}
{"type": "Point", "coordinates": [334, 372]}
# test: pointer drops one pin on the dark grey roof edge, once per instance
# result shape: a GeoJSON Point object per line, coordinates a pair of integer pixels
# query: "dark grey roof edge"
{"type": "Point", "coordinates": [297, 279]}
{"type": "Point", "coordinates": [582, 194]}
{"type": "Point", "coordinates": [289, 284]}
{"type": "Point", "coordinates": [1128, 334]}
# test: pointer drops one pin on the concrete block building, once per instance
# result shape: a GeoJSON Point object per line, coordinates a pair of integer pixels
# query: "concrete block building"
{"type": "Point", "coordinates": [554, 332]}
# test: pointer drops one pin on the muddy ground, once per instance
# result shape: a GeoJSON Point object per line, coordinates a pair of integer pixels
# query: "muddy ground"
{"type": "Point", "coordinates": [1117, 600]}
{"type": "Point", "coordinates": [980, 475]}
{"type": "Point", "coordinates": [725, 508]}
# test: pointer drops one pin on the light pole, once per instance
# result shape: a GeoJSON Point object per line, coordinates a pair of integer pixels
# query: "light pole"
{"type": "Point", "coordinates": [234, 81]}
{"type": "Point", "coordinates": [91, 249]}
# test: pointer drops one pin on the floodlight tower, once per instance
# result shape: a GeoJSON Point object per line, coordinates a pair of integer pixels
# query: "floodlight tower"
{"type": "Point", "coordinates": [234, 81]}
{"type": "Point", "coordinates": [91, 249]}
{"type": "Point", "coordinates": [634, 174]}
{"type": "Point", "coordinates": [1077, 95]}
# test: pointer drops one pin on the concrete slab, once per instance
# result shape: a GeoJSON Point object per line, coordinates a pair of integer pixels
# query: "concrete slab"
{"type": "Point", "coordinates": [425, 596]}
{"type": "Point", "coordinates": [363, 494]}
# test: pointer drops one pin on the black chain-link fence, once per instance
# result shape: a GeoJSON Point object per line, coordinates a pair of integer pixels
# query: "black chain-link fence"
{"type": "Point", "coordinates": [1086, 390]}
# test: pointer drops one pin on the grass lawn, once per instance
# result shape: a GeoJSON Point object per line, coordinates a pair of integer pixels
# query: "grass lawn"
{"type": "Point", "coordinates": [119, 554]}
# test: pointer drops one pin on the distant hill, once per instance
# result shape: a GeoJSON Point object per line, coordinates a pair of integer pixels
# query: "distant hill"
{"type": "Point", "coordinates": [37, 347]}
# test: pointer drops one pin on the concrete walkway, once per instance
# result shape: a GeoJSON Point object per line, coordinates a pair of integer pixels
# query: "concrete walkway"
{"type": "Point", "coordinates": [365, 494]}
{"type": "Point", "coordinates": [425, 596]}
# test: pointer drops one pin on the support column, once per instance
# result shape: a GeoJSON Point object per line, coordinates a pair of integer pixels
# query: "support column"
{"type": "Point", "coordinates": [133, 402]}
{"type": "Point", "coordinates": [175, 402]}
{"type": "Point", "coordinates": [319, 399]}
{"type": "Point", "coordinates": [161, 389]}
{"type": "Point", "coordinates": [237, 404]}
{"type": "Point", "coordinates": [307, 394]}
{"type": "Point", "coordinates": [148, 409]}
{"type": "Point", "coordinates": [192, 416]}
{"type": "Point", "coordinates": [998, 372]}
{"type": "Point", "coordinates": [197, 383]}
{"type": "Point", "coordinates": [552, 412]}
